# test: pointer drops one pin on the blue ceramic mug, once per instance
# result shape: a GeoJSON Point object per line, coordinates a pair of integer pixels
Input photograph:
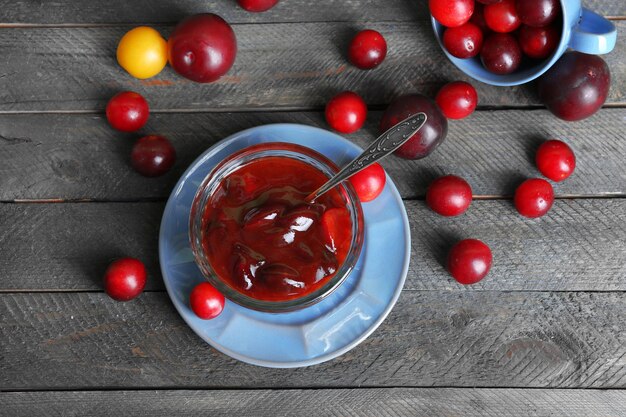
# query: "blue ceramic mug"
{"type": "Point", "coordinates": [583, 30]}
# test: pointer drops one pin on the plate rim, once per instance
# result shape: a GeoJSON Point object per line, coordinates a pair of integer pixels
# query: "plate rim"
{"type": "Point", "coordinates": [318, 359]}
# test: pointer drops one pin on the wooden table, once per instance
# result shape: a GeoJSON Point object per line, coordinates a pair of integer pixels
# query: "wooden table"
{"type": "Point", "coordinates": [544, 334]}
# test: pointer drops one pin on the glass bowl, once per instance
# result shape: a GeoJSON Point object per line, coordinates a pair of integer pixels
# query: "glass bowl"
{"type": "Point", "coordinates": [239, 159]}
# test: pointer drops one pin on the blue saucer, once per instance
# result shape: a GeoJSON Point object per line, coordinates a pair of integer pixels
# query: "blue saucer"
{"type": "Point", "coordinates": [317, 333]}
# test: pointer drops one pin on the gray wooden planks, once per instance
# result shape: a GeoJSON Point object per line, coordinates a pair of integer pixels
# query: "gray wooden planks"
{"type": "Point", "coordinates": [146, 11]}
{"type": "Point", "coordinates": [142, 11]}
{"type": "Point", "coordinates": [431, 338]}
{"type": "Point", "coordinates": [68, 246]}
{"type": "Point", "coordinates": [501, 338]}
{"type": "Point", "coordinates": [283, 65]}
{"type": "Point", "coordinates": [578, 246]}
{"type": "Point", "coordinates": [118, 11]}
{"type": "Point", "coordinates": [387, 402]}
{"type": "Point", "coordinates": [78, 156]}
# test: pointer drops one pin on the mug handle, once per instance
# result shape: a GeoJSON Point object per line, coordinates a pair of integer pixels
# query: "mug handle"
{"type": "Point", "coordinates": [594, 34]}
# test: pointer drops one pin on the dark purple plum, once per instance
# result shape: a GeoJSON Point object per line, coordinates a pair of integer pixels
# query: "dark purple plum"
{"type": "Point", "coordinates": [501, 54]}
{"type": "Point", "coordinates": [576, 86]}
{"type": "Point", "coordinates": [428, 137]}
{"type": "Point", "coordinates": [538, 13]}
{"type": "Point", "coordinates": [202, 47]}
{"type": "Point", "coordinates": [152, 155]}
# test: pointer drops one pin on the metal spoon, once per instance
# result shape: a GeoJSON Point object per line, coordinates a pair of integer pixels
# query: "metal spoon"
{"type": "Point", "coordinates": [385, 144]}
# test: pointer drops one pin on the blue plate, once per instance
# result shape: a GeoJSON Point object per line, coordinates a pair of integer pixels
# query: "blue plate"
{"type": "Point", "coordinates": [317, 333]}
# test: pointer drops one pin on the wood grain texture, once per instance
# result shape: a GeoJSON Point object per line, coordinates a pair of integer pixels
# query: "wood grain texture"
{"type": "Point", "coordinates": [142, 11]}
{"type": "Point", "coordinates": [431, 338]}
{"type": "Point", "coordinates": [68, 246]}
{"type": "Point", "coordinates": [51, 156]}
{"type": "Point", "coordinates": [283, 65]}
{"type": "Point", "coordinates": [383, 402]}
{"type": "Point", "coordinates": [578, 246]}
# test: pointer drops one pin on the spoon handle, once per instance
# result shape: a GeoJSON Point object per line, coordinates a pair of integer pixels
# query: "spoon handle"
{"type": "Point", "coordinates": [385, 144]}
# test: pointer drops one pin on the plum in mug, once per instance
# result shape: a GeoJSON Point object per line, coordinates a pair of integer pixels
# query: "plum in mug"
{"type": "Point", "coordinates": [259, 241]}
{"type": "Point", "coordinates": [580, 29]}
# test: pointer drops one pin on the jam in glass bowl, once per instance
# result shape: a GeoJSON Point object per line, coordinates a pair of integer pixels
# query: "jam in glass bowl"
{"type": "Point", "coordinates": [260, 243]}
